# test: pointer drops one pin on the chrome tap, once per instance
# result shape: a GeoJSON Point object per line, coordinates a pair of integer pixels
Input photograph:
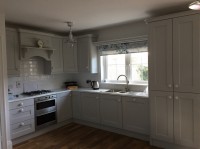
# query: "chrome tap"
{"type": "Point", "coordinates": [127, 82]}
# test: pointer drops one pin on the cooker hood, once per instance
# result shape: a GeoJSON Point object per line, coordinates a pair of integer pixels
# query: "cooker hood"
{"type": "Point", "coordinates": [35, 44]}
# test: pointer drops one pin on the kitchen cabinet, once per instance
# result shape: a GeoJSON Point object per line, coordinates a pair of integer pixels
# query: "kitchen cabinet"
{"type": "Point", "coordinates": [162, 115]}
{"type": "Point", "coordinates": [136, 114]}
{"type": "Point", "coordinates": [22, 120]}
{"type": "Point", "coordinates": [160, 55]}
{"type": "Point", "coordinates": [64, 106]}
{"type": "Point", "coordinates": [70, 57]}
{"type": "Point", "coordinates": [174, 57]}
{"type": "Point", "coordinates": [174, 119]}
{"type": "Point", "coordinates": [87, 54]}
{"type": "Point", "coordinates": [111, 110]}
{"type": "Point", "coordinates": [57, 57]}
{"type": "Point", "coordinates": [174, 84]}
{"type": "Point", "coordinates": [186, 54]}
{"type": "Point", "coordinates": [90, 107]}
{"type": "Point", "coordinates": [186, 119]}
{"type": "Point", "coordinates": [76, 104]}
{"type": "Point", "coordinates": [12, 49]}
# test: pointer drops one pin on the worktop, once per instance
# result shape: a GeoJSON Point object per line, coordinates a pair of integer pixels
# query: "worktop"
{"type": "Point", "coordinates": [100, 91]}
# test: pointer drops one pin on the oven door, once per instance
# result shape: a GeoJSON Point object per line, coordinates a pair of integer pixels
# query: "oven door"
{"type": "Point", "coordinates": [45, 106]}
{"type": "Point", "coordinates": [45, 119]}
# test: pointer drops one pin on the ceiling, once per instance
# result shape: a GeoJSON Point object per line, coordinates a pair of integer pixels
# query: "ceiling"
{"type": "Point", "coordinates": [86, 14]}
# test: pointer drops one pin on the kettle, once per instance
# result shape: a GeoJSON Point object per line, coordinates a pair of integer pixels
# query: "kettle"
{"type": "Point", "coordinates": [95, 85]}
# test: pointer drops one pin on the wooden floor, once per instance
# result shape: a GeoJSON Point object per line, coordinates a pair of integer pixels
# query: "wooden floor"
{"type": "Point", "coordinates": [76, 136]}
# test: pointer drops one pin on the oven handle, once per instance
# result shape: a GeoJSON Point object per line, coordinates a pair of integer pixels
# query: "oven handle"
{"type": "Point", "coordinates": [44, 100]}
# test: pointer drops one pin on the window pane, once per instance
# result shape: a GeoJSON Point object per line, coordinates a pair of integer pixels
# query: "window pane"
{"type": "Point", "coordinates": [139, 66]}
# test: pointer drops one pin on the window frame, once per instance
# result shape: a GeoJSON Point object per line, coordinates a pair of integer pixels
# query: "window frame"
{"type": "Point", "coordinates": [127, 72]}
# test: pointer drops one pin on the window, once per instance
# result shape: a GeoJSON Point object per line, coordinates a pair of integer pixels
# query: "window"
{"type": "Point", "coordinates": [133, 65]}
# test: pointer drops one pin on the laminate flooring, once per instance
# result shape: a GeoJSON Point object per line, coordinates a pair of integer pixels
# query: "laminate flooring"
{"type": "Point", "coordinates": [76, 136]}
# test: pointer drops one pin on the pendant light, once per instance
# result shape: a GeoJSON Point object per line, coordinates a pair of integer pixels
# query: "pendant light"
{"type": "Point", "coordinates": [70, 37]}
{"type": "Point", "coordinates": [195, 5]}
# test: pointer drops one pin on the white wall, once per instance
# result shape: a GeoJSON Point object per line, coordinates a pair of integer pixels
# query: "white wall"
{"type": "Point", "coordinates": [133, 29]}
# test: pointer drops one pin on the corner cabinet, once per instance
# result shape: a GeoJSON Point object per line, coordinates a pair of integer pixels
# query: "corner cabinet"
{"type": "Point", "coordinates": [12, 49]}
{"type": "Point", "coordinates": [111, 110]}
{"type": "Point", "coordinates": [87, 54]}
{"type": "Point", "coordinates": [57, 57]}
{"type": "Point", "coordinates": [64, 106]}
{"type": "Point", "coordinates": [70, 57]}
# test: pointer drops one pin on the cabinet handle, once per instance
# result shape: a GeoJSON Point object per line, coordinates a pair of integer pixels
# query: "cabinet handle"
{"type": "Point", "coordinates": [97, 97]}
{"type": "Point", "coordinates": [21, 110]}
{"type": "Point", "coordinates": [87, 67]}
{"type": "Point", "coordinates": [21, 124]}
{"type": "Point", "coordinates": [176, 86]}
{"type": "Point", "coordinates": [119, 100]}
{"type": "Point", "coordinates": [176, 97]}
{"type": "Point", "coordinates": [21, 104]}
{"type": "Point", "coordinates": [170, 97]}
{"type": "Point", "coordinates": [169, 85]}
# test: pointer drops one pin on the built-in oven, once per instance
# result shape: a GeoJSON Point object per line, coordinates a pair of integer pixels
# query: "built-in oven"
{"type": "Point", "coordinates": [45, 111]}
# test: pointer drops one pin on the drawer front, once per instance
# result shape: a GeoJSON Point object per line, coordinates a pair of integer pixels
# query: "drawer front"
{"type": "Point", "coordinates": [136, 100]}
{"type": "Point", "coordinates": [21, 114]}
{"type": "Point", "coordinates": [20, 104]}
{"type": "Point", "coordinates": [22, 128]}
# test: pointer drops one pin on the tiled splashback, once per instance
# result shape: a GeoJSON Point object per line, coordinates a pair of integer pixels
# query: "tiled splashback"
{"type": "Point", "coordinates": [32, 78]}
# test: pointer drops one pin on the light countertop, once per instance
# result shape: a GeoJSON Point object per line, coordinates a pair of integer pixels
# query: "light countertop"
{"type": "Point", "coordinates": [100, 91]}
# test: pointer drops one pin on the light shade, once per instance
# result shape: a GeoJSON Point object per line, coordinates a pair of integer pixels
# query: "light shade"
{"type": "Point", "coordinates": [195, 5]}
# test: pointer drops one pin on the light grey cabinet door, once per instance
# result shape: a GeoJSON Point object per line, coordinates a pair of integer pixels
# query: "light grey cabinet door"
{"type": "Point", "coordinates": [76, 103]}
{"type": "Point", "coordinates": [186, 53]}
{"type": "Point", "coordinates": [87, 55]}
{"type": "Point", "coordinates": [64, 106]}
{"type": "Point", "coordinates": [186, 119]}
{"type": "Point", "coordinates": [161, 110]}
{"type": "Point", "coordinates": [160, 56]}
{"type": "Point", "coordinates": [57, 57]}
{"type": "Point", "coordinates": [90, 107]}
{"type": "Point", "coordinates": [136, 114]}
{"type": "Point", "coordinates": [111, 110]}
{"type": "Point", "coordinates": [12, 49]}
{"type": "Point", "coordinates": [70, 57]}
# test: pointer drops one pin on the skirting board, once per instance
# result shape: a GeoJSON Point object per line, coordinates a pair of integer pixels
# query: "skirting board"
{"type": "Point", "coordinates": [115, 130]}
{"type": "Point", "coordinates": [40, 132]}
{"type": "Point", "coordinates": [166, 145]}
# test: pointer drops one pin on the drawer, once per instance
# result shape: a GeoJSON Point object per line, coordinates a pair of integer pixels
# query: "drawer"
{"type": "Point", "coordinates": [22, 128]}
{"type": "Point", "coordinates": [22, 103]}
{"type": "Point", "coordinates": [21, 114]}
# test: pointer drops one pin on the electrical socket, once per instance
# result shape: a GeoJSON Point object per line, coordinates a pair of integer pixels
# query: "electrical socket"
{"type": "Point", "coordinates": [18, 84]}
{"type": "Point", "coordinates": [88, 81]}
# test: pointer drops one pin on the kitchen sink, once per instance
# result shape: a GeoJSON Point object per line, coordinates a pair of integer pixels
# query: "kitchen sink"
{"type": "Point", "coordinates": [113, 91]}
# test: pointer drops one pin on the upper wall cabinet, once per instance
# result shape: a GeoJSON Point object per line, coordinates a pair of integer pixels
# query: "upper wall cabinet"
{"type": "Point", "coordinates": [12, 49]}
{"type": "Point", "coordinates": [57, 57]}
{"type": "Point", "coordinates": [70, 57]}
{"type": "Point", "coordinates": [180, 47]}
{"type": "Point", "coordinates": [87, 54]}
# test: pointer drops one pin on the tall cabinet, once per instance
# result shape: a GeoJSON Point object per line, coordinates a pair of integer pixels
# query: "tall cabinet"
{"type": "Point", "coordinates": [174, 82]}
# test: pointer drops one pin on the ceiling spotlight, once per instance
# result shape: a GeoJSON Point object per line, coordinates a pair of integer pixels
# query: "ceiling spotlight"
{"type": "Point", "coordinates": [195, 5]}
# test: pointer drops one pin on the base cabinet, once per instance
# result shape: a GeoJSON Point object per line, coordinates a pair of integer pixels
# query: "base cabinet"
{"type": "Point", "coordinates": [175, 119]}
{"type": "Point", "coordinates": [136, 114]}
{"type": "Point", "coordinates": [90, 107]}
{"type": "Point", "coordinates": [64, 106]}
{"type": "Point", "coordinates": [76, 105]}
{"type": "Point", "coordinates": [111, 110]}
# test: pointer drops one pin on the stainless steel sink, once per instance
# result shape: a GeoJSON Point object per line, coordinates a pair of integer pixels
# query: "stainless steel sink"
{"type": "Point", "coordinates": [113, 91]}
